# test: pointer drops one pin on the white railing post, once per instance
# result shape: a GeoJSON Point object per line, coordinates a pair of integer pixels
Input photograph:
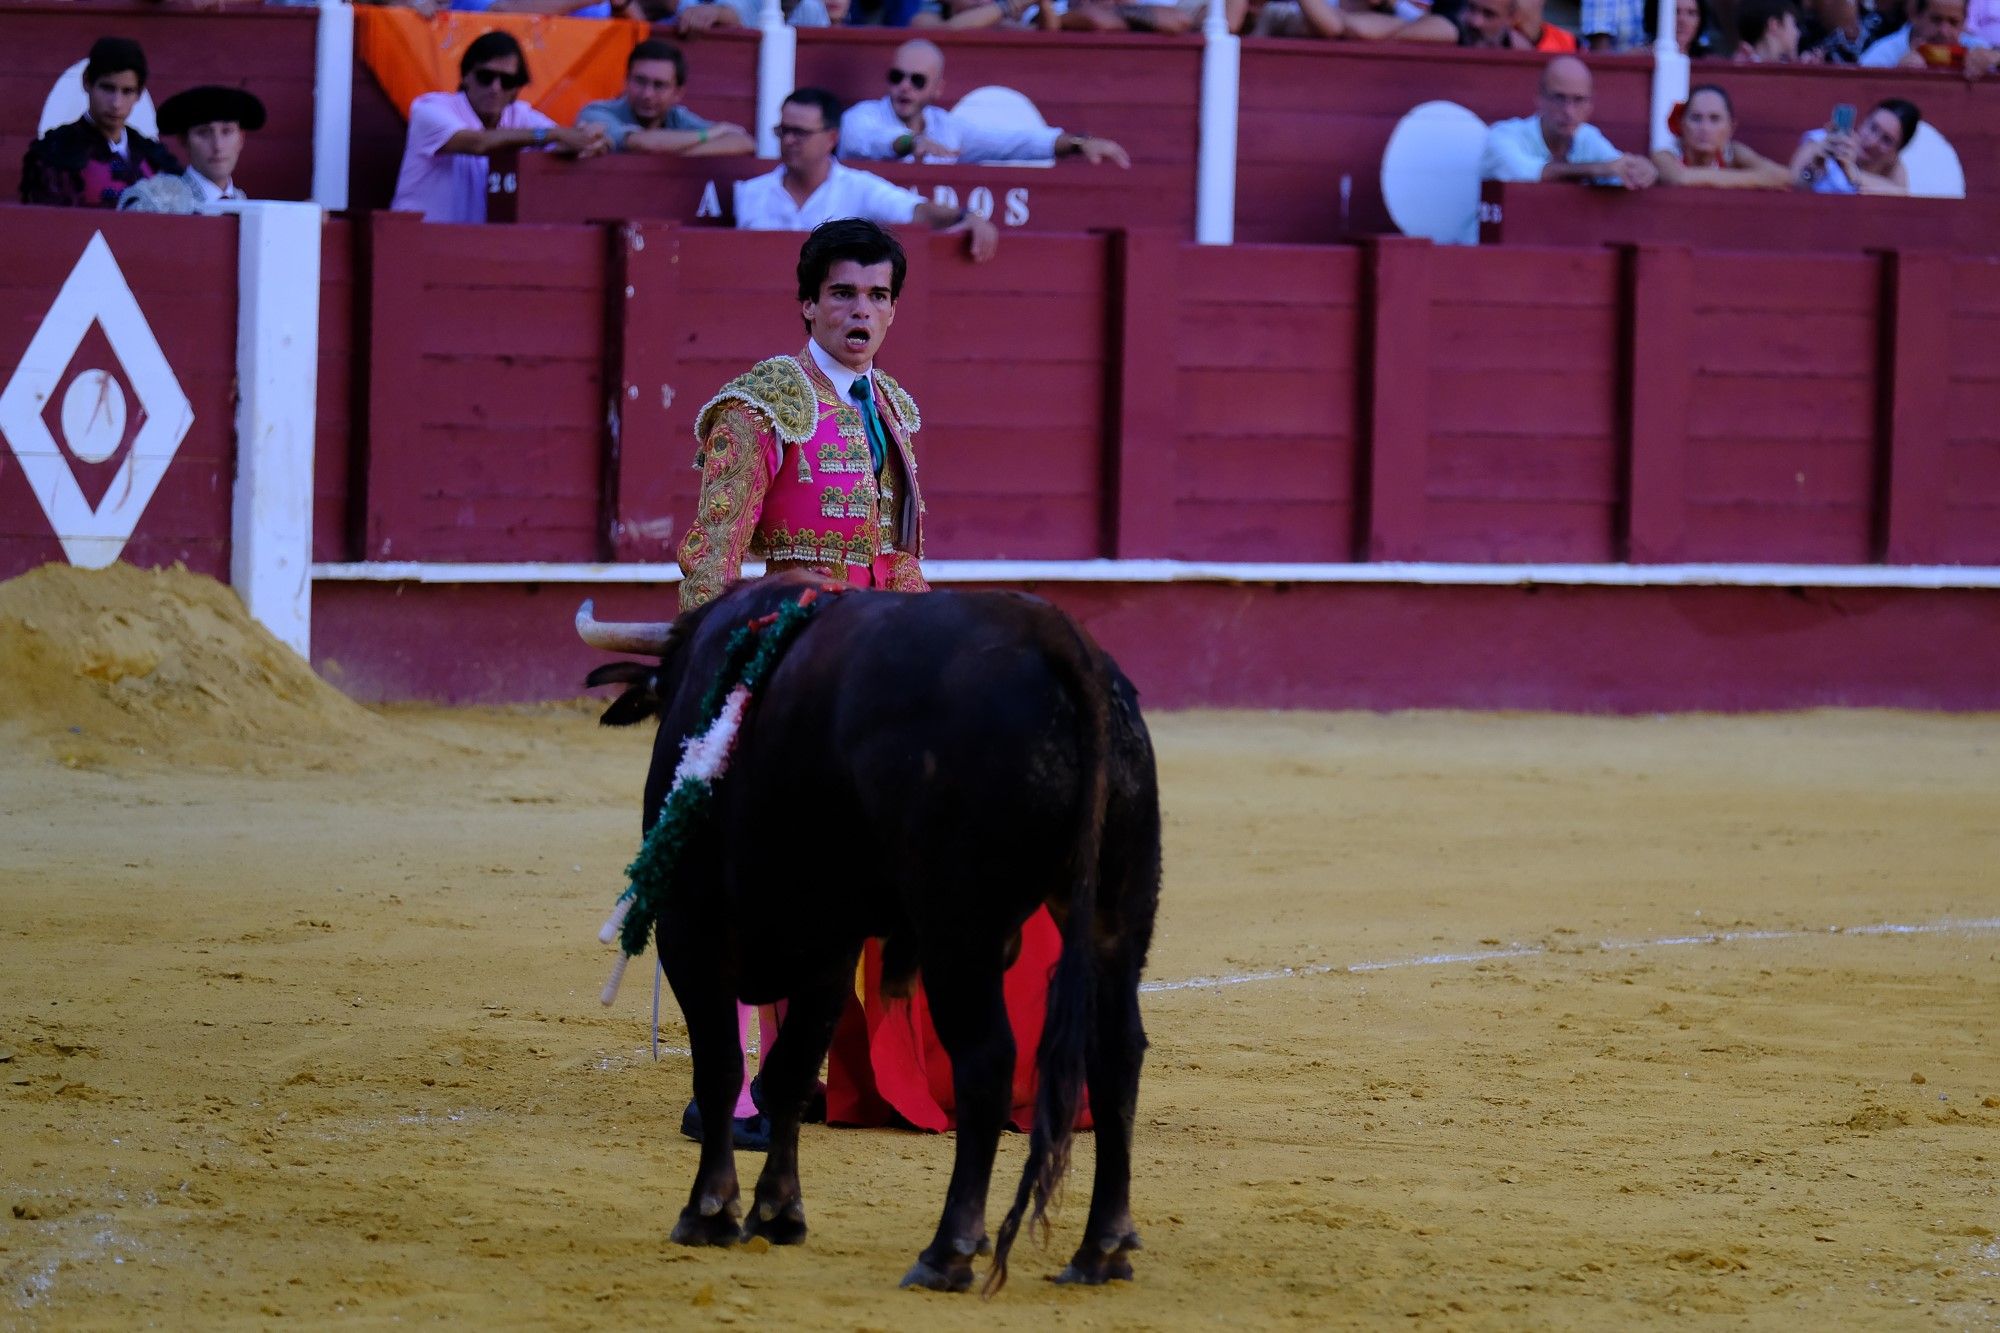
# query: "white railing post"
{"type": "Point", "coordinates": [277, 378]}
{"type": "Point", "coordinates": [1671, 74]}
{"type": "Point", "coordinates": [333, 103]}
{"type": "Point", "coordinates": [1215, 167]}
{"type": "Point", "coordinates": [777, 67]}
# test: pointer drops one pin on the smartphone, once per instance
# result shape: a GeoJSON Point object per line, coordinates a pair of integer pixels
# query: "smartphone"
{"type": "Point", "coordinates": [1843, 117]}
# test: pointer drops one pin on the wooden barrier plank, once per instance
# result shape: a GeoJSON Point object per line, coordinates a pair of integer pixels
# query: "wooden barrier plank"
{"type": "Point", "coordinates": [396, 269]}
{"type": "Point", "coordinates": [1659, 322]}
{"type": "Point", "coordinates": [1396, 311]}
{"type": "Point", "coordinates": [1915, 354]}
{"type": "Point", "coordinates": [649, 483]}
{"type": "Point", "coordinates": [1145, 427]}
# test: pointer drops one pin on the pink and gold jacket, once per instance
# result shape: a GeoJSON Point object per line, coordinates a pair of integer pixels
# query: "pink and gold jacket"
{"type": "Point", "coordinates": [786, 474]}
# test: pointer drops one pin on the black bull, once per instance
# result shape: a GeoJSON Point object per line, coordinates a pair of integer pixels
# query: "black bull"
{"type": "Point", "coordinates": [925, 770]}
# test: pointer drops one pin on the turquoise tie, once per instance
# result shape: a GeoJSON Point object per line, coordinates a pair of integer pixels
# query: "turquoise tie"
{"type": "Point", "coordinates": [878, 438]}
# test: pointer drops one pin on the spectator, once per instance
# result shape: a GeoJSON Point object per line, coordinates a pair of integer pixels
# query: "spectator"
{"type": "Point", "coordinates": [210, 122]}
{"type": "Point", "coordinates": [909, 126]}
{"type": "Point", "coordinates": [708, 15]}
{"type": "Point", "coordinates": [1935, 37]}
{"type": "Point", "coordinates": [1768, 31]}
{"type": "Point", "coordinates": [1408, 21]}
{"type": "Point", "coordinates": [1617, 25]}
{"type": "Point", "coordinates": [90, 161]}
{"type": "Point", "coordinates": [1542, 36]}
{"type": "Point", "coordinates": [1838, 31]}
{"type": "Point", "coordinates": [1482, 24]}
{"type": "Point", "coordinates": [1167, 16]}
{"type": "Point", "coordinates": [1694, 28]}
{"type": "Point", "coordinates": [1706, 152]}
{"type": "Point", "coordinates": [1560, 144]}
{"type": "Point", "coordinates": [1982, 20]}
{"type": "Point", "coordinates": [809, 187]}
{"type": "Point", "coordinates": [1866, 160]}
{"type": "Point", "coordinates": [649, 118]}
{"type": "Point", "coordinates": [444, 163]}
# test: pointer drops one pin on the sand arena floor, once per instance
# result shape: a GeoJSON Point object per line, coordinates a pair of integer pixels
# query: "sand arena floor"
{"type": "Point", "coordinates": [311, 1032]}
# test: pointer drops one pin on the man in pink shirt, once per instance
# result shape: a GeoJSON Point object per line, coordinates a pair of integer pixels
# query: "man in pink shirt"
{"type": "Point", "coordinates": [444, 162]}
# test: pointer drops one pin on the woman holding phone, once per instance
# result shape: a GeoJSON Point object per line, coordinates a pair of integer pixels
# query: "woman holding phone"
{"type": "Point", "coordinates": [1864, 158]}
{"type": "Point", "coordinates": [1706, 153]}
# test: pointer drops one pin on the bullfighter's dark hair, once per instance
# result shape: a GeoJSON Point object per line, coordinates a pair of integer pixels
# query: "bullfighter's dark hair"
{"type": "Point", "coordinates": [828, 104]}
{"type": "Point", "coordinates": [658, 50]}
{"type": "Point", "coordinates": [114, 55]}
{"type": "Point", "coordinates": [491, 46]}
{"type": "Point", "coordinates": [858, 239]}
{"type": "Point", "coordinates": [1906, 115]}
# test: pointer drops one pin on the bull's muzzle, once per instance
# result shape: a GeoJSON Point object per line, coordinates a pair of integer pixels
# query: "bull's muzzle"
{"type": "Point", "coordinates": [650, 638]}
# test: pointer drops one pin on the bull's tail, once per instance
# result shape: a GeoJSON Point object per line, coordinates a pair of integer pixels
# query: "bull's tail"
{"type": "Point", "coordinates": [1061, 1060]}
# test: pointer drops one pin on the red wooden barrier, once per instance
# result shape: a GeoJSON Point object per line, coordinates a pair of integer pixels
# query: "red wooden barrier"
{"type": "Point", "coordinates": [342, 370]}
{"type": "Point", "coordinates": [545, 188]}
{"type": "Point", "coordinates": [268, 51]}
{"type": "Point", "coordinates": [182, 274]}
{"type": "Point", "coordinates": [1138, 396]}
{"type": "Point", "coordinates": [1517, 214]}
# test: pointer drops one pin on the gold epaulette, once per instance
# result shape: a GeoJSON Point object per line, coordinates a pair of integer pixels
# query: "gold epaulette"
{"type": "Point", "coordinates": [900, 402]}
{"type": "Point", "coordinates": [779, 389]}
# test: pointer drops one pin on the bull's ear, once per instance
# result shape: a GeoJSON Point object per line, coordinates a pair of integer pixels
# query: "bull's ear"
{"type": "Point", "coordinates": [635, 705]}
{"type": "Point", "coordinates": [619, 673]}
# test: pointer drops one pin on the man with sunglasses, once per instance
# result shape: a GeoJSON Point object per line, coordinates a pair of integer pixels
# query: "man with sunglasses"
{"type": "Point", "coordinates": [909, 126]}
{"type": "Point", "coordinates": [809, 187]}
{"type": "Point", "coordinates": [444, 162]}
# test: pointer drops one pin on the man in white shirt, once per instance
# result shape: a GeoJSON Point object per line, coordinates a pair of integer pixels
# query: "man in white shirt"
{"type": "Point", "coordinates": [1559, 143]}
{"type": "Point", "coordinates": [909, 126]}
{"type": "Point", "coordinates": [1940, 25]}
{"type": "Point", "coordinates": [809, 187]}
{"type": "Point", "coordinates": [210, 122]}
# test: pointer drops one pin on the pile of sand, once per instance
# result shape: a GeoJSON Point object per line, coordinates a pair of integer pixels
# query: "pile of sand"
{"type": "Point", "coordinates": [123, 664]}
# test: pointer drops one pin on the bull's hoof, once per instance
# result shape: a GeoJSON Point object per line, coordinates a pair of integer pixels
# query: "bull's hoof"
{"type": "Point", "coordinates": [698, 1228]}
{"type": "Point", "coordinates": [781, 1225]}
{"type": "Point", "coordinates": [957, 1276]}
{"type": "Point", "coordinates": [1104, 1261]}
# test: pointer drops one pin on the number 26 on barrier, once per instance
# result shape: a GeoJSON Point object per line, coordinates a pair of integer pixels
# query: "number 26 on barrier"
{"type": "Point", "coordinates": [499, 182]}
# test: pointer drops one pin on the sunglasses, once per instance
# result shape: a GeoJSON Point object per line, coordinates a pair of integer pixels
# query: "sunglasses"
{"type": "Point", "coordinates": [487, 78]}
{"type": "Point", "coordinates": [797, 131]}
{"type": "Point", "coordinates": [917, 81]}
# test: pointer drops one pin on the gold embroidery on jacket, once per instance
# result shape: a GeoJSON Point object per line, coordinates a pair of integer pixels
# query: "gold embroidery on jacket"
{"type": "Point", "coordinates": [732, 494]}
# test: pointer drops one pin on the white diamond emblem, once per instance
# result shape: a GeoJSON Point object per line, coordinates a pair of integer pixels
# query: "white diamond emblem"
{"type": "Point", "coordinates": [93, 411]}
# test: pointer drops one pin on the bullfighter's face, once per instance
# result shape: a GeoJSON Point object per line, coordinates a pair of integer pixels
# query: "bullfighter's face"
{"type": "Point", "coordinates": [112, 98]}
{"type": "Point", "coordinates": [853, 313]}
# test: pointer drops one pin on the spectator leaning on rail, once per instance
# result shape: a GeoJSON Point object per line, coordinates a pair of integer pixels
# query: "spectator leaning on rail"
{"type": "Point", "coordinates": [909, 126]}
{"type": "Point", "coordinates": [1934, 38]}
{"type": "Point", "coordinates": [210, 122]}
{"type": "Point", "coordinates": [1865, 160]}
{"type": "Point", "coordinates": [809, 187]}
{"type": "Point", "coordinates": [1706, 153]}
{"type": "Point", "coordinates": [90, 161]}
{"type": "Point", "coordinates": [444, 162]}
{"type": "Point", "coordinates": [1559, 144]}
{"type": "Point", "coordinates": [693, 19]}
{"type": "Point", "coordinates": [649, 117]}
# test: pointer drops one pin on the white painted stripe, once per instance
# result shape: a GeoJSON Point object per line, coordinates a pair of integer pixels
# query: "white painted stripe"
{"type": "Point", "coordinates": [333, 103]}
{"type": "Point", "coordinates": [1946, 927]}
{"type": "Point", "coordinates": [1186, 571]}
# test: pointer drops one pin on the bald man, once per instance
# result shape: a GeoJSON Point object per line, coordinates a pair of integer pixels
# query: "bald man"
{"type": "Point", "coordinates": [1559, 143]}
{"type": "Point", "coordinates": [908, 126]}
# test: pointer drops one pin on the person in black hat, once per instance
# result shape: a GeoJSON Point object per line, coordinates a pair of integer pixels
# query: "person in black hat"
{"type": "Point", "coordinates": [210, 122]}
{"type": "Point", "coordinates": [89, 162]}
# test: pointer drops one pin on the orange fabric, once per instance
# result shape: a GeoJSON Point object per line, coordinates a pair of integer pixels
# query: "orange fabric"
{"type": "Point", "coordinates": [573, 61]}
{"type": "Point", "coordinates": [1554, 40]}
{"type": "Point", "coordinates": [887, 1059]}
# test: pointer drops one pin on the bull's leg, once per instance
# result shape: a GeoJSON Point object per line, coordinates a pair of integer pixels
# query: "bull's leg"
{"type": "Point", "coordinates": [710, 1217]}
{"type": "Point", "coordinates": [1114, 1058]}
{"type": "Point", "coordinates": [791, 1072]}
{"type": "Point", "coordinates": [970, 1013]}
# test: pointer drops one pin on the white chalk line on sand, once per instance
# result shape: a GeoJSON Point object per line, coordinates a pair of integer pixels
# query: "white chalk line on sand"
{"type": "Point", "coordinates": [1945, 927]}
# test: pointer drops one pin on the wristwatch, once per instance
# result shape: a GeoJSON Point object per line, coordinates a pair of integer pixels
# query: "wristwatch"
{"type": "Point", "coordinates": [541, 134]}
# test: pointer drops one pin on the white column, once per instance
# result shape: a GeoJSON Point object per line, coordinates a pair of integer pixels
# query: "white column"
{"type": "Point", "coordinates": [777, 67]}
{"type": "Point", "coordinates": [1671, 74]}
{"type": "Point", "coordinates": [333, 103]}
{"type": "Point", "coordinates": [277, 378]}
{"type": "Point", "coordinates": [1215, 167]}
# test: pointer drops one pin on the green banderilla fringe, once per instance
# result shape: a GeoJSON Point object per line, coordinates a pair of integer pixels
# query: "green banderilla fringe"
{"type": "Point", "coordinates": [752, 654]}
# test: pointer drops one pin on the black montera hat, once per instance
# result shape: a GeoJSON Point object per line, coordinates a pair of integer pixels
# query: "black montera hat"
{"type": "Point", "coordinates": [207, 104]}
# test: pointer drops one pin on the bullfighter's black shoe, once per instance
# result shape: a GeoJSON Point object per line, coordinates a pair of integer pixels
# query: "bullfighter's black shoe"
{"type": "Point", "coordinates": [751, 1133]}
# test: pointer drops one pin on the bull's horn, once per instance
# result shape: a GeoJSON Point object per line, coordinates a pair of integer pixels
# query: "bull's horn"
{"type": "Point", "coordinates": [614, 637]}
